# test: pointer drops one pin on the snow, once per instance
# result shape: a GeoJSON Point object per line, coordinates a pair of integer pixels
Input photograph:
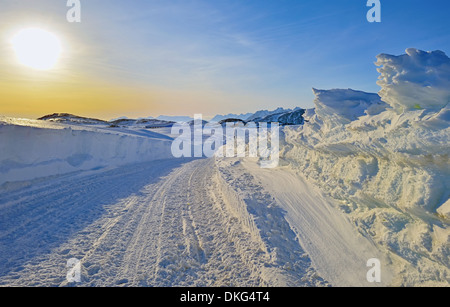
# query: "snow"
{"type": "Point", "coordinates": [336, 250]}
{"type": "Point", "coordinates": [387, 166]}
{"type": "Point", "coordinates": [415, 80]}
{"type": "Point", "coordinates": [444, 210]}
{"type": "Point", "coordinates": [134, 216]}
{"type": "Point", "coordinates": [171, 222]}
{"type": "Point", "coordinates": [346, 105]}
{"type": "Point", "coordinates": [116, 200]}
{"type": "Point", "coordinates": [32, 149]}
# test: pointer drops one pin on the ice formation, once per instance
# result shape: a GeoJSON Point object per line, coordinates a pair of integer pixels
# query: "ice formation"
{"type": "Point", "coordinates": [386, 159]}
{"type": "Point", "coordinates": [416, 80]}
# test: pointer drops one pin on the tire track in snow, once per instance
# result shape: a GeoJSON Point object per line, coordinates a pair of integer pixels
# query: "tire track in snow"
{"type": "Point", "coordinates": [128, 226]}
{"type": "Point", "coordinates": [163, 223]}
{"type": "Point", "coordinates": [36, 222]}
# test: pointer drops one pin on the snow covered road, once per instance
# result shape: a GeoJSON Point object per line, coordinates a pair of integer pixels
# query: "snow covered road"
{"type": "Point", "coordinates": [162, 223]}
{"type": "Point", "coordinates": [188, 222]}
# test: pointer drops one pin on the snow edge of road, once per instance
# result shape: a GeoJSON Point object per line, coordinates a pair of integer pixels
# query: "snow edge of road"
{"type": "Point", "coordinates": [288, 264]}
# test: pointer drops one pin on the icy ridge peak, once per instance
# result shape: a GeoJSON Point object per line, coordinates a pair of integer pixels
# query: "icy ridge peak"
{"type": "Point", "coordinates": [414, 81]}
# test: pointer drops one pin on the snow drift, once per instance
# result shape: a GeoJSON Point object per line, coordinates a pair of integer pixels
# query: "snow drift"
{"type": "Point", "coordinates": [30, 149]}
{"type": "Point", "coordinates": [415, 80]}
{"type": "Point", "coordinates": [386, 159]}
{"type": "Point", "coordinates": [344, 106]}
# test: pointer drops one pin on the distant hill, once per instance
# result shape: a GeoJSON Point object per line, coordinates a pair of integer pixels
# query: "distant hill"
{"type": "Point", "coordinates": [218, 118]}
{"type": "Point", "coordinates": [280, 115]}
{"type": "Point", "coordinates": [67, 118]}
{"type": "Point", "coordinates": [264, 113]}
{"type": "Point", "coordinates": [141, 123]}
{"type": "Point", "coordinates": [232, 120]}
{"type": "Point", "coordinates": [286, 118]}
{"type": "Point", "coordinates": [72, 119]}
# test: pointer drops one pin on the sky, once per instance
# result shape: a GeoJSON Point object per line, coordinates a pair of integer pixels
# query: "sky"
{"type": "Point", "coordinates": [141, 58]}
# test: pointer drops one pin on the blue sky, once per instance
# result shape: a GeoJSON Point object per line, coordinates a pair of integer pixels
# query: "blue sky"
{"type": "Point", "coordinates": [221, 56]}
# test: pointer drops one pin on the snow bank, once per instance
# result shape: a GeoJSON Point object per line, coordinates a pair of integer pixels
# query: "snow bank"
{"type": "Point", "coordinates": [386, 160]}
{"type": "Point", "coordinates": [32, 150]}
{"type": "Point", "coordinates": [346, 105]}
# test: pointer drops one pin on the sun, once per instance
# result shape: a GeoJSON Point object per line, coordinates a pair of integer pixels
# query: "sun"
{"type": "Point", "coordinates": [37, 48]}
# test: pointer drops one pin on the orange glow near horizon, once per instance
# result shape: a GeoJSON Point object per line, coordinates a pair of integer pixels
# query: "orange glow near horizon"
{"type": "Point", "coordinates": [36, 98]}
